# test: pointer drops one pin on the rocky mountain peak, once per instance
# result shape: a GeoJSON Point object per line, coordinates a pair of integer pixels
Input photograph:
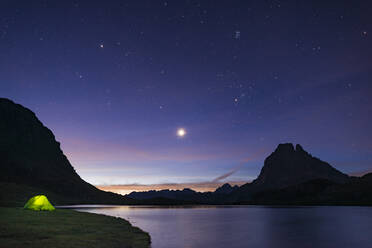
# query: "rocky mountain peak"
{"type": "Point", "coordinates": [290, 165]}
{"type": "Point", "coordinates": [225, 189]}
{"type": "Point", "coordinates": [285, 148]}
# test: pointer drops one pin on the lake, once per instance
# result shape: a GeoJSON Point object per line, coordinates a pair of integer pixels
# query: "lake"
{"type": "Point", "coordinates": [248, 226]}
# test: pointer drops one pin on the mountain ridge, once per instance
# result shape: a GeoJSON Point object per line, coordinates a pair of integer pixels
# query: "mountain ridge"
{"type": "Point", "coordinates": [31, 156]}
{"type": "Point", "coordinates": [289, 165]}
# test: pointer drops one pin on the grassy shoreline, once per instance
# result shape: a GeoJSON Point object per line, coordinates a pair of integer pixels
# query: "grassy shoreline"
{"type": "Point", "coordinates": [67, 229]}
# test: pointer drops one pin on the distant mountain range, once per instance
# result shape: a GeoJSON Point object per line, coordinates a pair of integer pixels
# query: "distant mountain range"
{"type": "Point", "coordinates": [31, 162]}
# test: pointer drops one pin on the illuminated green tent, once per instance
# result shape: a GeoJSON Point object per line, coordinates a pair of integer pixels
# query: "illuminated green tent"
{"type": "Point", "coordinates": [39, 202]}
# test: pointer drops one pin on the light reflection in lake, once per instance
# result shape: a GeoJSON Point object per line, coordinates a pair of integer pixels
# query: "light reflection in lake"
{"type": "Point", "coordinates": [249, 226]}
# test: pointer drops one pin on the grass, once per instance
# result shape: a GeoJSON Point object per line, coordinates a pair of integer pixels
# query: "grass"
{"type": "Point", "coordinates": [66, 228]}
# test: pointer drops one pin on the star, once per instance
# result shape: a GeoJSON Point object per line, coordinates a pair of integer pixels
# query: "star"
{"type": "Point", "coordinates": [101, 46]}
{"type": "Point", "coordinates": [237, 35]}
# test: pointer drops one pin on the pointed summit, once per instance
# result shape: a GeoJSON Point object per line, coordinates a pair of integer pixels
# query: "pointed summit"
{"type": "Point", "coordinates": [225, 189]}
{"type": "Point", "coordinates": [299, 148]}
{"type": "Point", "coordinates": [285, 148]}
{"type": "Point", "coordinates": [289, 165]}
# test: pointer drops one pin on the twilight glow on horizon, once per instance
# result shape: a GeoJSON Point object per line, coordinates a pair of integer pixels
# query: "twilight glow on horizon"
{"type": "Point", "coordinates": [185, 92]}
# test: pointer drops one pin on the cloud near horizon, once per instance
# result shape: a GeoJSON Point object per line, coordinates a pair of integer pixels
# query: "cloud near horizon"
{"type": "Point", "coordinates": [226, 175]}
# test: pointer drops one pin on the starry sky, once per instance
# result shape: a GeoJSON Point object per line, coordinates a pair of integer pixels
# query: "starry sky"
{"type": "Point", "coordinates": [114, 80]}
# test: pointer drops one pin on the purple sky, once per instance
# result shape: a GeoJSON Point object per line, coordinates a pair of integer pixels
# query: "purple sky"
{"type": "Point", "coordinates": [114, 80]}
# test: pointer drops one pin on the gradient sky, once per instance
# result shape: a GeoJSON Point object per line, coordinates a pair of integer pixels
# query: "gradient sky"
{"type": "Point", "coordinates": [115, 79]}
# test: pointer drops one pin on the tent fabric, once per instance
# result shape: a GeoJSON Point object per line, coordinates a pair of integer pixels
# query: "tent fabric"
{"type": "Point", "coordinates": [39, 202]}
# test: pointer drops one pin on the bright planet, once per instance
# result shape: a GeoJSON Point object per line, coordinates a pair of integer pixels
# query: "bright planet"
{"type": "Point", "coordinates": [181, 132]}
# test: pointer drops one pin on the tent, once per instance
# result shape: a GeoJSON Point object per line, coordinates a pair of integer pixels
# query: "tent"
{"type": "Point", "coordinates": [39, 202]}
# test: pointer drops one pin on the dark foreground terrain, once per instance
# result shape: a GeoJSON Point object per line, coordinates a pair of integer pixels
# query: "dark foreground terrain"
{"type": "Point", "coordinates": [66, 228]}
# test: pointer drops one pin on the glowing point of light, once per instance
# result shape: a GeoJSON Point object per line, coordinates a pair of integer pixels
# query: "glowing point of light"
{"type": "Point", "coordinates": [181, 132]}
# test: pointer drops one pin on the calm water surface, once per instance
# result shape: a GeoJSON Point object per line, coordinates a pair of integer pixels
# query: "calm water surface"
{"type": "Point", "coordinates": [249, 226]}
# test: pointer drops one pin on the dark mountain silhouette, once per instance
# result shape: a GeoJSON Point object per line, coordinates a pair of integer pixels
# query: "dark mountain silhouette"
{"type": "Point", "coordinates": [357, 191]}
{"type": "Point", "coordinates": [30, 155]}
{"type": "Point", "coordinates": [226, 189]}
{"type": "Point", "coordinates": [166, 193]}
{"type": "Point", "coordinates": [187, 195]}
{"type": "Point", "coordinates": [288, 166]}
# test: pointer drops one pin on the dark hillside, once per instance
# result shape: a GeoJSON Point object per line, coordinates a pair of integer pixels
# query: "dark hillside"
{"type": "Point", "coordinates": [30, 156]}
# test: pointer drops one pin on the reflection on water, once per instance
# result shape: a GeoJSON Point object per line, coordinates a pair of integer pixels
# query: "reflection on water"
{"type": "Point", "coordinates": [249, 226]}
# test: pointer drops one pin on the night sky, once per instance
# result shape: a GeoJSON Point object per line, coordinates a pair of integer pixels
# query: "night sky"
{"type": "Point", "coordinates": [115, 80]}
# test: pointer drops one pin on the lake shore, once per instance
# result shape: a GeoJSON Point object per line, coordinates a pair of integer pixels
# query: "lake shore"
{"type": "Point", "coordinates": [67, 228]}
